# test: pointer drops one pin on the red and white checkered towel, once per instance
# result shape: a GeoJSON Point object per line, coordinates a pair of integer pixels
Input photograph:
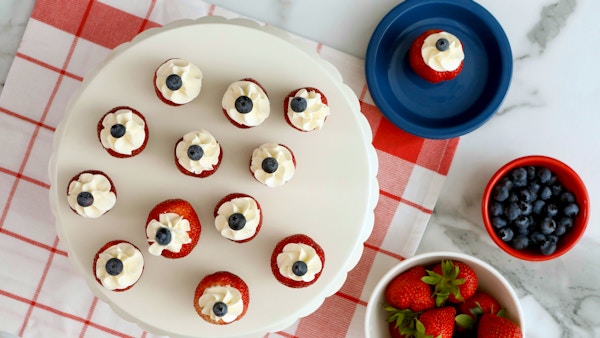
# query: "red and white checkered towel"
{"type": "Point", "coordinates": [41, 295]}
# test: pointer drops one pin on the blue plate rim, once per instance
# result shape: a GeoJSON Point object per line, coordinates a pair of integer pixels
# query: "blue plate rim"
{"type": "Point", "coordinates": [457, 130]}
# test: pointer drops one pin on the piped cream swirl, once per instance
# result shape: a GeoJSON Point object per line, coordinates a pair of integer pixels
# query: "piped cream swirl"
{"type": "Point", "coordinates": [285, 160]}
{"type": "Point", "coordinates": [133, 265]}
{"type": "Point", "coordinates": [99, 186]}
{"type": "Point", "coordinates": [261, 107]}
{"type": "Point", "coordinates": [313, 117]}
{"type": "Point", "coordinates": [246, 206]}
{"type": "Point", "coordinates": [294, 252]}
{"type": "Point", "coordinates": [209, 145]}
{"type": "Point", "coordinates": [177, 225]}
{"type": "Point", "coordinates": [191, 78]}
{"type": "Point", "coordinates": [226, 294]}
{"type": "Point", "coordinates": [442, 61]}
{"type": "Point", "coordinates": [135, 133]}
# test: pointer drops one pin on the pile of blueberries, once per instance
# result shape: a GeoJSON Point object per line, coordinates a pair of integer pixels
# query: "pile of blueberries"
{"type": "Point", "coordinates": [530, 208]}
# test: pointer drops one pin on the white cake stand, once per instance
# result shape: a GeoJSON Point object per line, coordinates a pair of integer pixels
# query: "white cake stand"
{"type": "Point", "coordinates": [331, 198]}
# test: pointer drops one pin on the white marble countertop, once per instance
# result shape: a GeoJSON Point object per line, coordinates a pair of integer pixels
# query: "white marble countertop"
{"type": "Point", "coordinates": [550, 109]}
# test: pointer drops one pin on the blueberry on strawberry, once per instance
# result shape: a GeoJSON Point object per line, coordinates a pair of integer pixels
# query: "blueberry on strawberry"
{"type": "Point", "coordinates": [269, 165]}
{"type": "Point", "coordinates": [114, 266]}
{"type": "Point", "coordinates": [243, 104]}
{"type": "Point", "coordinates": [117, 130]}
{"type": "Point", "coordinates": [236, 221]}
{"type": "Point", "coordinates": [442, 44]}
{"type": "Point", "coordinates": [163, 236]}
{"type": "Point", "coordinates": [219, 309]}
{"type": "Point", "coordinates": [298, 104]}
{"type": "Point", "coordinates": [174, 82]}
{"type": "Point", "coordinates": [85, 199]}
{"type": "Point", "coordinates": [299, 268]}
{"type": "Point", "coordinates": [195, 152]}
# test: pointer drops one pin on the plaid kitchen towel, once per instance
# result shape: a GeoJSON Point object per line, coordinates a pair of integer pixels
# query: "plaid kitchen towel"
{"type": "Point", "coordinates": [41, 294]}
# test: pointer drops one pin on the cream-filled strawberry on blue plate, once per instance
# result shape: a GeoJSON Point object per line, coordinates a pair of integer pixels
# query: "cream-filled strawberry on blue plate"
{"type": "Point", "coordinates": [436, 56]}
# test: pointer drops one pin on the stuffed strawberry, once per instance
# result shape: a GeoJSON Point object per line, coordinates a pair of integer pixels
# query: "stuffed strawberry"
{"type": "Point", "coordinates": [408, 291]}
{"type": "Point", "coordinates": [453, 281]}
{"type": "Point", "coordinates": [172, 229]}
{"type": "Point", "coordinates": [494, 326]}
{"type": "Point", "coordinates": [221, 298]}
{"type": "Point", "coordinates": [436, 56]}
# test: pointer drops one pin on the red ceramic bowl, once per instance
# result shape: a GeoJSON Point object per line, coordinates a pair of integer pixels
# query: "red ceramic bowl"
{"type": "Point", "coordinates": [570, 180]}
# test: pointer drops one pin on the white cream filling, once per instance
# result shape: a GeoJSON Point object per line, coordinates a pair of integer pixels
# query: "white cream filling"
{"type": "Point", "coordinates": [226, 294]}
{"type": "Point", "coordinates": [97, 185]}
{"type": "Point", "coordinates": [209, 145]}
{"type": "Point", "coordinates": [261, 107]}
{"type": "Point", "coordinates": [313, 117]}
{"type": "Point", "coordinates": [177, 225]}
{"type": "Point", "coordinates": [191, 77]}
{"type": "Point", "coordinates": [285, 170]}
{"type": "Point", "coordinates": [133, 265]}
{"type": "Point", "coordinates": [135, 133]}
{"type": "Point", "coordinates": [442, 61]}
{"type": "Point", "coordinates": [245, 206]}
{"type": "Point", "coordinates": [294, 252]}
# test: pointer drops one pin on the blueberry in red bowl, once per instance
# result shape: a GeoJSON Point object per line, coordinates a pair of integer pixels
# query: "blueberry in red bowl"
{"type": "Point", "coordinates": [535, 208]}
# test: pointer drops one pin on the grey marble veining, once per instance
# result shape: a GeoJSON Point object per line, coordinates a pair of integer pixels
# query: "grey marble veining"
{"type": "Point", "coordinates": [553, 19]}
{"type": "Point", "coordinates": [13, 19]}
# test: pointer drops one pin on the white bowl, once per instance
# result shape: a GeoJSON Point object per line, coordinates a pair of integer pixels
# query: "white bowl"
{"type": "Point", "coordinates": [490, 281]}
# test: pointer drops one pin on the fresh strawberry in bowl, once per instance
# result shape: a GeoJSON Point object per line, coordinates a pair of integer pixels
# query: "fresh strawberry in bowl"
{"type": "Point", "coordinates": [440, 294]}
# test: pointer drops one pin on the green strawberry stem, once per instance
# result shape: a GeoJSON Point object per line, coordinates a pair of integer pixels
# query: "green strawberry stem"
{"type": "Point", "coordinates": [445, 284]}
{"type": "Point", "coordinates": [404, 320]}
{"type": "Point", "coordinates": [420, 331]}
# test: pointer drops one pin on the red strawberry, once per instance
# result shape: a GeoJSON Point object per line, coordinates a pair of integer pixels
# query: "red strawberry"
{"type": "Point", "coordinates": [407, 291]}
{"type": "Point", "coordinates": [480, 303]}
{"type": "Point", "coordinates": [473, 308]}
{"type": "Point", "coordinates": [436, 322]}
{"type": "Point", "coordinates": [454, 282]}
{"type": "Point", "coordinates": [493, 326]}
{"type": "Point", "coordinates": [184, 209]}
